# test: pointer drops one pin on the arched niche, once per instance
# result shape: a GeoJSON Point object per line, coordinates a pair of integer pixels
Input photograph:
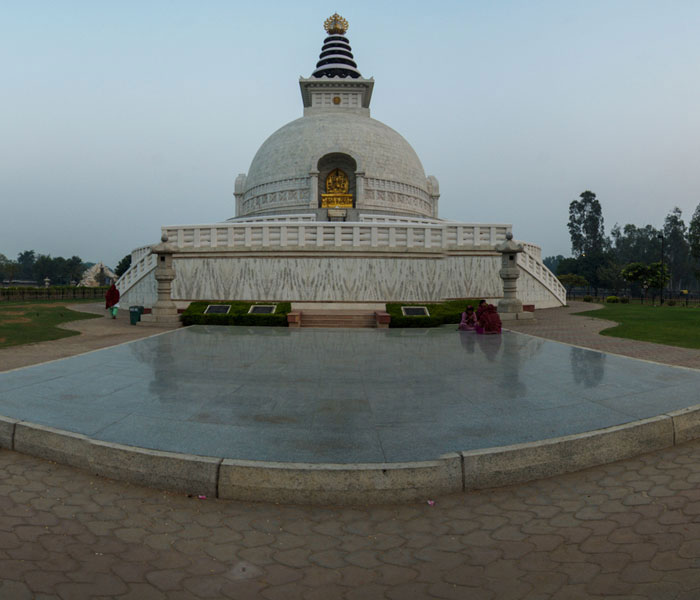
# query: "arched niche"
{"type": "Point", "coordinates": [331, 162]}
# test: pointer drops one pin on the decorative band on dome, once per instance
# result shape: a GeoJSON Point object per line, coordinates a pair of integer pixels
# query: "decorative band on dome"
{"type": "Point", "coordinates": [336, 52]}
{"type": "Point", "coordinates": [336, 56]}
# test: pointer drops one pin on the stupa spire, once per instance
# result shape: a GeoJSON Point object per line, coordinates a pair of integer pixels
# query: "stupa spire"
{"type": "Point", "coordinates": [336, 59]}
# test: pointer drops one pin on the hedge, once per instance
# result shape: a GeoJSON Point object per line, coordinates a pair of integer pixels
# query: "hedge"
{"type": "Point", "coordinates": [238, 315]}
{"type": "Point", "coordinates": [441, 313]}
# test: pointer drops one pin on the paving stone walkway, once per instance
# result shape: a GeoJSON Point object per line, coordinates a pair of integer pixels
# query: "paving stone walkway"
{"type": "Point", "coordinates": [630, 530]}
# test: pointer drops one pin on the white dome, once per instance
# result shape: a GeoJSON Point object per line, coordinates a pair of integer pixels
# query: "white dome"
{"type": "Point", "coordinates": [280, 176]}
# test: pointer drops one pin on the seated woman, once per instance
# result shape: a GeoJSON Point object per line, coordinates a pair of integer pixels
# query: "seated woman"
{"type": "Point", "coordinates": [468, 322]}
{"type": "Point", "coordinates": [489, 321]}
{"type": "Point", "coordinates": [481, 307]}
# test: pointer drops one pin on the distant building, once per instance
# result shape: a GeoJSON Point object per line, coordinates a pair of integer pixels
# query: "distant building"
{"type": "Point", "coordinates": [98, 274]}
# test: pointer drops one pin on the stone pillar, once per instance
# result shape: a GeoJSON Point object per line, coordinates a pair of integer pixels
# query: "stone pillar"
{"type": "Point", "coordinates": [510, 308]}
{"type": "Point", "coordinates": [164, 310]}
{"type": "Point", "coordinates": [313, 191]}
{"type": "Point", "coordinates": [359, 189]}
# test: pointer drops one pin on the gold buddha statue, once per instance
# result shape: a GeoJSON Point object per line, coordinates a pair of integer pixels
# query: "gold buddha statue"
{"type": "Point", "coordinates": [337, 186]}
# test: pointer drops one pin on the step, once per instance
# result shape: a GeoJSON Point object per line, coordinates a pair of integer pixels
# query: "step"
{"type": "Point", "coordinates": [338, 318]}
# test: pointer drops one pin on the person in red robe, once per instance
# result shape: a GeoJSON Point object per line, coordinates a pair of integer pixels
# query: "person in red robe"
{"type": "Point", "coordinates": [489, 321]}
{"type": "Point", "coordinates": [112, 300]}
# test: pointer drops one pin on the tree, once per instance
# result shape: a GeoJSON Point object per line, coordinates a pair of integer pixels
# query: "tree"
{"type": "Point", "coordinates": [586, 226]}
{"type": "Point", "coordinates": [25, 260]}
{"type": "Point", "coordinates": [640, 274]}
{"type": "Point", "coordinates": [634, 244]}
{"type": "Point", "coordinates": [610, 276]}
{"type": "Point", "coordinates": [552, 262]}
{"type": "Point", "coordinates": [694, 241]}
{"type": "Point", "coordinates": [570, 281]}
{"type": "Point", "coordinates": [44, 266]}
{"type": "Point", "coordinates": [566, 266]}
{"type": "Point", "coordinates": [4, 261]}
{"type": "Point", "coordinates": [74, 270]}
{"type": "Point", "coordinates": [677, 249]}
{"type": "Point", "coordinates": [588, 242]}
{"type": "Point", "coordinates": [11, 270]}
{"type": "Point", "coordinates": [659, 275]}
{"type": "Point", "coordinates": [123, 266]}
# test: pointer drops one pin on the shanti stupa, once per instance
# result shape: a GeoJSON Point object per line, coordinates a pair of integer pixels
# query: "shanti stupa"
{"type": "Point", "coordinates": [336, 207]}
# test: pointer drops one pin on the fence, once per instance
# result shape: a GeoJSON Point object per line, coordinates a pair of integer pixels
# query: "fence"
{"type": "Point", "coordinates": [14, 294]}
{"type": "Point", "coordinates": [674, 297]}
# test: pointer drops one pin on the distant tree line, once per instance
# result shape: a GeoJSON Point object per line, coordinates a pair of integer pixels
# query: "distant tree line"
{"type": "Point", "coordinates": [33, 267]}
{"type": "Point", "coordinates": [631, 257]}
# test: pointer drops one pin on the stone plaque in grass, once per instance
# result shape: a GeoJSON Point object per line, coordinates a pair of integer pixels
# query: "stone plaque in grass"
{"type": "Point", "coordinates": [217, 309]}
{"type": "Point", "coordinates": [262, 309]}
{"type": "Point", "coordinates": [415, 311]}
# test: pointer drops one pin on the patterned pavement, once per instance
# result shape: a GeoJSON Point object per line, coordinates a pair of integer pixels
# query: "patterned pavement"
{"type": "Point", "coordinates": [630, 530]}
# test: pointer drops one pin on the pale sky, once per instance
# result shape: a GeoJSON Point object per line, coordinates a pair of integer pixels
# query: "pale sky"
{"type": "Point", "coordinates": [117, 118]}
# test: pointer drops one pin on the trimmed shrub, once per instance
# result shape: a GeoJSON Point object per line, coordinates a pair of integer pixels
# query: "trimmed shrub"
{"type": "Point", "coordinates": [441, 313]}
{"type": "Point", "coordinates": [624, 300]}
{"type": "Point", "coordinates": [612, 299]}
{"type": "Point", "coordinates": [588, 298]}
{"type": "Point", "coordinates": [238, 315]}
{"type": "Point", "coordinates": [670, 302]}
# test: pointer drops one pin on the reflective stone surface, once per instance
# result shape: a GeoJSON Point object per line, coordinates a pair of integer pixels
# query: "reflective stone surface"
{"type": "Point", "coordinates": [339, 395]}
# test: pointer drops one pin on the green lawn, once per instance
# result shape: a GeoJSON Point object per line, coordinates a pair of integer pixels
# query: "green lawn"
{"type": "Point", "coordinates": [27, 322]}
{"type": "Point", "coordinates": [671, 325]}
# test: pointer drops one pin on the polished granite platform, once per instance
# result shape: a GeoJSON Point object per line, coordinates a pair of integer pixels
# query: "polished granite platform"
{"type": "Point", "coordinates": [339, 395]}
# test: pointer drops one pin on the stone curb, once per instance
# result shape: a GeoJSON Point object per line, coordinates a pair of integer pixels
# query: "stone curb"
{"type": "Point", "coordinates": [507, 465]}
{"type": "Point", "coordinates": [347, 484]}
{"type": "Point", "coordinates": [368, 483]}
{"type": "Point", "coordinates": [7, 432]}
{"type": "Point", "coordinates": [186, 473]}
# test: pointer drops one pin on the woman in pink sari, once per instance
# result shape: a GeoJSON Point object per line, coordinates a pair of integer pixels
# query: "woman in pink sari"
{"type": "Point", "coordinates": [468, 322]}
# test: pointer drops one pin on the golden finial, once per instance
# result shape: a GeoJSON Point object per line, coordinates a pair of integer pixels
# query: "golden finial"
{"type": "Point", "coordinates": [335, 24]}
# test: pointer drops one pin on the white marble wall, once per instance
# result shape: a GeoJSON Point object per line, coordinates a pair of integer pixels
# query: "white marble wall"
{"type": "Point", "coordinates": [338, 279]}
{"type": "Point", "coordinates": [318, 278]}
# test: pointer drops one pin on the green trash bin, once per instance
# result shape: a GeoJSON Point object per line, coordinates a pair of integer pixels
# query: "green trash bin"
{"type": "Point", "coordinates": [140, 311]}
{"type": "Point", "coordinates": [134, 314]}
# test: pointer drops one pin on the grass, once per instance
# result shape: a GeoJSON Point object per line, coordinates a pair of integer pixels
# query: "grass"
{"type": "Point", "coordinates": [29, 322]}
{"type": "Point", "coordinates": [671, 325]}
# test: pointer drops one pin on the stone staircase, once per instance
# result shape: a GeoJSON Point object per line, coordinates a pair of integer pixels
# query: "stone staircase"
{"type": "Point", "coordinates": [338, 317]}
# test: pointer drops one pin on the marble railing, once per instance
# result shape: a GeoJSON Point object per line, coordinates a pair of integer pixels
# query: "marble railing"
{"type": "Point", "coordinates": [138, 269]}
{"type": "Point", "coordinates": [262, 219]}
{"type": "Point", "coordinates": [324, 234]}
{"type": "Point", "coordinates": [390, 218]}
{"type": "Point", "coordinates": [533, 250]}
{"type": "Point", "coordinates": [537, 269]}
{"type": "Point", "coordinates": [138, 253]}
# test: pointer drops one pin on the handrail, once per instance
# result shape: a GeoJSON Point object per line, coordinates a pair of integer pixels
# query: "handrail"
{"type": "Point", "coordinates": [539, 271]}
{"type": "Point", "coordinates": [137, 271]}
